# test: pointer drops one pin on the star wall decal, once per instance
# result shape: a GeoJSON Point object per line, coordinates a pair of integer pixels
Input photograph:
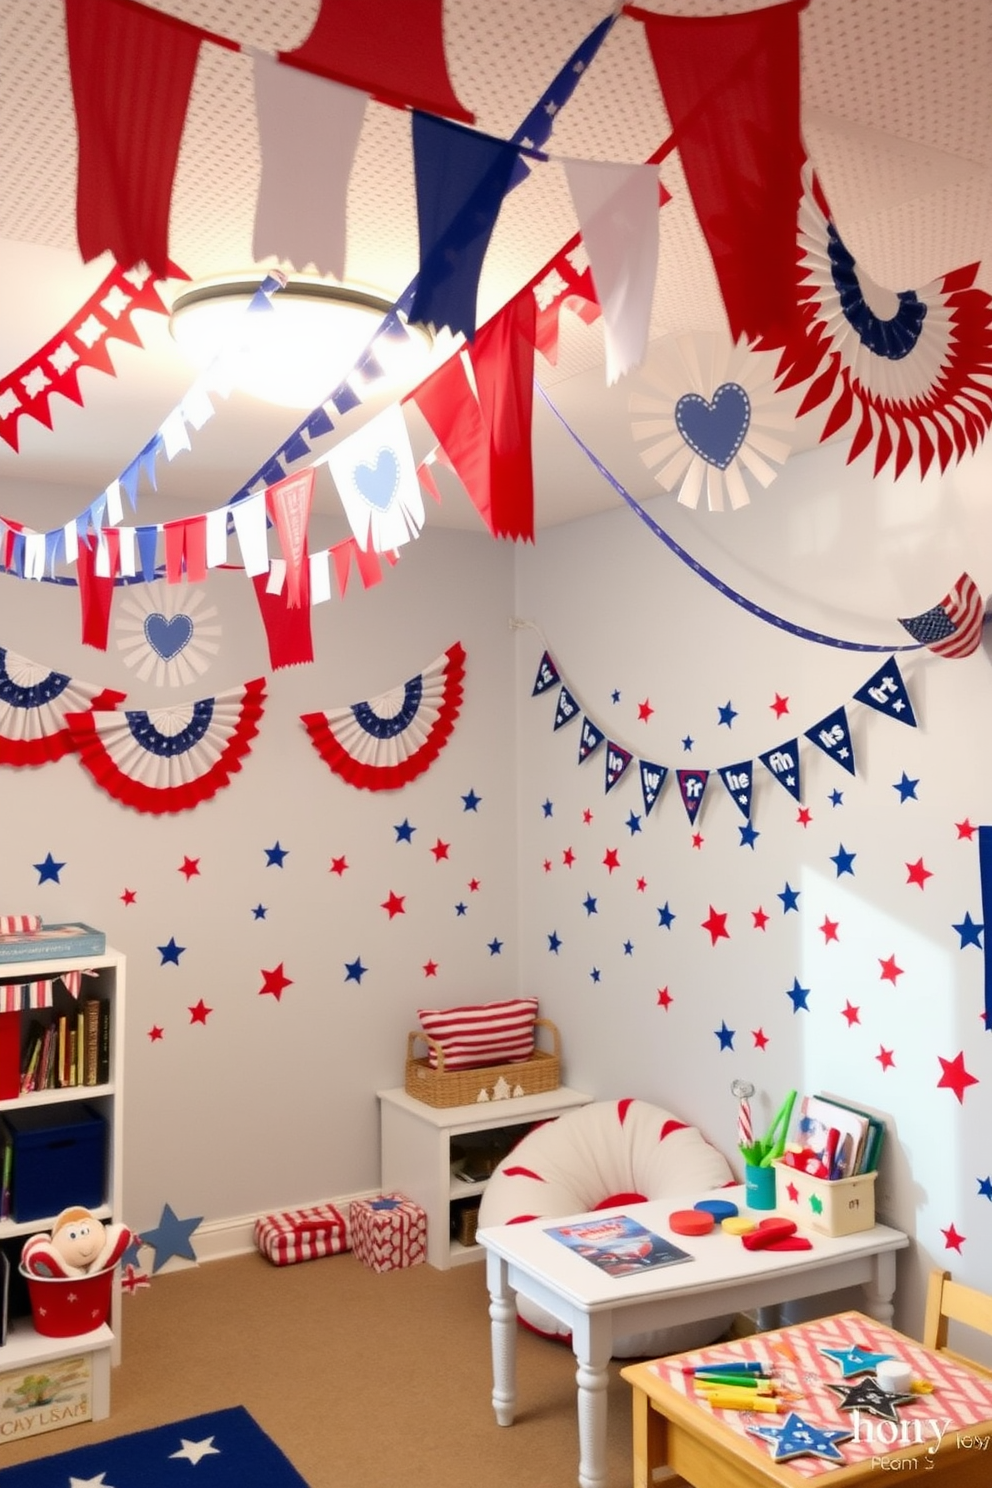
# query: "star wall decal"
{"type": "Point", "coordinates": [716, 925]}
{"type": "Point", "coordinates": [429, 968]}
{"type": "Point", "coordinates": [589, 905]}
{"type": "Point", "coordinates": [275, 982]}
{"type": "Point", "coordinates": [128, 897]}
{"type": "Point", "coordinates": [885, 1058]}
{"type": "Point", "coordinates": [274, 855]}
{"type": "Point", "coordinates": [760, 1038]}
{"type": "Point", "coordinates": [798, 996]}
{"type": "Point", "coordinates": [906, 788]}
{"type": "Point", "coordinates": [48, 871]}
{"type": "Point", "coordinates": [171, 1237]}
{"type": "Point", "coordinates": [843, 861]}
{"type": "Point", "coordinates": [440, 850]}
{"type": "Point", "coordinates": [952, 1240]}
{"type": "Point", "coordinates": [749, 836]}
{"type": "Point", "coordinates": [725, 1035]}
{"type": "Point", "coordinates": [568, 857]}
{"type": "Point", "coordinates": [354, 970]}
{"type": "Point", "coordinates": [890, 971]}
{"type": "Point", "coordinates": [471, 801]}
{"type": "Point", "coordinates": [170, 953]}
{"type": "Point", "coordinates": [404, 831]}
{"type": "Point", "coordinates": [339, 866]}
{"type": "Point", "coordinates": [495, 947]}
{"type": "Point", "coordinates": [790, 898]}
{"type": "Point", "coordinates": [394, 905]}
{"type": "Point", "coordinates": [955, 1076]}
{"type": "Point", "coordinates": [829, 929]}
{"type": "Point", "coordinates": [917, 873]}
{"type": "Point", "coordinates": [759, 917]}
{"type": "Point", "coordinates": [665, 1000]}
{"type": "Point", "coordinates": [611, 859]}
{"type": "Point", "coordinates": [985, 1187]}
{"type": "Point", "coordinates": [969, 932]}
{"type": "Point", "coordinates": [851, 1013]}
{"type": "Point", "coordinates": [665, 916]}
{"type": "Point", "coordinates": [554, 942]}
{"type": "Point", "coordinates": [965, 829]}
{"type": "Point", "coordinates": [200, 1012]}
{"type": "Point", "coordinates": [548, 808]}
{"type": "Point", "coordinates": [190, 867]}
{"type": "Point", "coordinates": [259, 912]}
{"type": "Point", "coordinates": [727, 715]}
{"type": "Point", "coordinates": [779, 706]}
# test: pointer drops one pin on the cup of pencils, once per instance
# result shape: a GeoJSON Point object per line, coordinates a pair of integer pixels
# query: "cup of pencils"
{"type": "Point", "coordinates": [760, 1153]}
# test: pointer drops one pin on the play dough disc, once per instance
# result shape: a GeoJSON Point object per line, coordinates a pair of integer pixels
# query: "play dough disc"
{"type": "Point", "coordinates": [739, 1224]}
{"type": "Point", "coordinates": [691, 1222]}
{"type": "Point", "coordinates": [720, 1209]}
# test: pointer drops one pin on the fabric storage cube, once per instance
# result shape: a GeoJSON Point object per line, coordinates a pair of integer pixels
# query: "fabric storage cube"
{"type": "Point", "coordinates": [389, 1232]}
{"type": "Point", "coordinates": [302, 1234]}
{"type": "Point", "coordinates": [59, 1159]}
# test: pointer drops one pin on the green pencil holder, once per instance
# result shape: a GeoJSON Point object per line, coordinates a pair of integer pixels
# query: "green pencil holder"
{"type": "Point", "coordinates": [759, 1187]}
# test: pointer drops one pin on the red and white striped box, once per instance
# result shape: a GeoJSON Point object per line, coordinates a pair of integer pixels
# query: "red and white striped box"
{"type": "Point", "coordinates": [389, 1232]}
{"type": "Point", "coordinates": [302, 1234]}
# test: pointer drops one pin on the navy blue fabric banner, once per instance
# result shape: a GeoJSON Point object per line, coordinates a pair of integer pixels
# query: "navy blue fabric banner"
{"type": "Point", "coordinates": [985, 864]}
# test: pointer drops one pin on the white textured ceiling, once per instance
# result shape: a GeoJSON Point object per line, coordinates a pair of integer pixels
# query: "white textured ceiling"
{"type": "Point", "coordinates": [897, 117]}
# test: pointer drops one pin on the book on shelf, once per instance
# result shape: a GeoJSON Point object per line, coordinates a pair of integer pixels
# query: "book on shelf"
{"type": "Point", "coordinates": [618, 1245]}
{"type": "Point", "coordinates": [52, 942]}
{"type": "Point", "coordinates": [6, 1169]}
{"type": "Point", "coordinates": [91, 1039]}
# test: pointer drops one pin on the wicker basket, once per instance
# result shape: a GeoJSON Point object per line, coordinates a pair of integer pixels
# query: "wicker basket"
{"type": "Point", "coordinates": [465, 1087]}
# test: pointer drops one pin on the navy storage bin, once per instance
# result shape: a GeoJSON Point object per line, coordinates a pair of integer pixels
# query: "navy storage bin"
{"type": "Point", "coordinates": [60, 1159]}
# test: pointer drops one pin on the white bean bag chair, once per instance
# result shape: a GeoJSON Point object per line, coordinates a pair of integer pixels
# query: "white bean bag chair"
{"type": "Point", "coordinates": [607, 1153]}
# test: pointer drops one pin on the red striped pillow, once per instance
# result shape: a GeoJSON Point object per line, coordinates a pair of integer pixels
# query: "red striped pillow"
{"type": "Point", "coordinates": [484, 1033]}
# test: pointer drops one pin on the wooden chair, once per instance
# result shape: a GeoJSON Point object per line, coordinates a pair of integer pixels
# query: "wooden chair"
{"type": "Point", "coordinates": [949, 1301]}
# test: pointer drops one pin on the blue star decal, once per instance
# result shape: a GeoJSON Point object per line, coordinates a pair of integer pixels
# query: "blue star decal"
{"type": "Point", "coordinates": [687, 743]}
{"type": "Point", "coordinates": [554, 943]}
{"type": "Point", "coordinates": [589, 905]}
{"type": "Point", "coordinates": [404, 832]}
{"type": "Point", "coordinates": [665, 916]}
{"type": "Point", "coordinates": [727, 715]}
{"type": "Point", "coordinates": [628, 947]}
{"type": "Point", "coordinates": [355, 970]}
{"type": "Point", "coordinates": [49, 870]}
{"type": "Point", "coordinates": [170, 953]}
{"type": "Point", "coordinates": [633, 823]}
{"type": "Point", "coordinates": [843, 861]}
{"type": "Point", "coordinates": [548, 808]}
{"type": "Point", "coordinates": [471, 800]}
{"type": "Point", "coordinates": [798, 995]}
{"type": "Point", "coordinates": [985, 1187]}
{"type": "Point", "coordinates": [790, 898]}
{"type": "Point", "coordinates": [460, 909]}
{"type": "Point", "coordinates": [170, 1237]}
{"type": "Point", "coordinates": [836, 798]}
{"type": "Point", "coordinates": [799, 1438]}
{"type": "Point", "coordinates": [275, 855]}
{"type": "Point", "coordinates": [906, 788]}
{"type": "Point", "coordinates": [725, 1035]}
{"type": "Point", "coordinates": [595, 974]}
{"type": "Point", "coordinates": [259, 912]}
{"type": "Point", "coordinates": [969, 932]}
{"type": "Point", "coordinates": [749, 835]}
{"type": "Point", "coordinates": [855, 1360]}
{"type": "Point", "coordinates": [495, 946]}
{"type": "Point", "coordinates": [615, 695]}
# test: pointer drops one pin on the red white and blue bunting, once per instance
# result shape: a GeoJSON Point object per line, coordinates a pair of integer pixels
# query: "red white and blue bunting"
{"type": "Point", "coordinates": [35, 704]}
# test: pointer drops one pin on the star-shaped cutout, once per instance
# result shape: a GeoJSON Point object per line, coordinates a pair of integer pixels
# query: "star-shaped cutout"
{"type": "Point", "coordinates": [640, 885]}
{"type": "Point", "coordinates": [394, 904]}
{"type": "Point", "coordinates": [471, 801]}
{"type": "Point", "coordinates": [354, 970]}
{"type": "Point", "coordinates": [970, 932]}
{"type": "Point", "coordinates": [885, 1057]}
{"type": "Point", "coordinates": [404, 831]}
{"type": "Point", "coordinates": [339, 866]}
{"type": "Point", "coordinates": [495, 946]}
{"type": "Point", "coordinates": [955, 1076]}
{"type": "Point", "coordinates": [890, 971]}
{"type": "Point", "coordinates": [790, 898]}
{"type": "Point", "coordinates": [798, 996]}
{"type": "Point", "coordinates": [868, 1397]}
{"type": "Point", "coordinates": [200, 1012]}
{"type": "Point", "coordinates": [665, 916]}
{"type": "Point", "coordinates": [665, 1000]}
{"type": "Point", "coordinates": [985, 1187]}
{"type": "Point", "coordinates": [644, 711]}
{"type": "Point", "coordinates": [952, 1240]}
{"type": "Point", "coordinates": [615, 695]}
{"type": "Point", "coordinates": [779, 706]}
{"type": "Point", "coordinates": [759, 917]}
{"type": "Point", "coordinates": [855, 1360]}
{"type": "Point", "coordinates": [804, 816]}
{"type": "Point", "coordinates": [749, 835]}
{"type": "Point", "coordinates": [587, 817]}
{"type": "Point", "coordinates": [589, 905]}
{"type": "Point", "coordinates": [611, 859]}
{"type": "Point", "coordinates": [49, 870]}
{"type": "Point", "coordinates": [595, 974]}
{"type": "Point", "coordinates": [918, 873]}
{"type": "Point", "coordinates": [259, 912]}
{"type": "Point", "coordinates": [760, 1038]}
{"type": "Point", "coordinates": [547, 865]}
{"type": "Point", "coordinates": [440, 850]}
{"type": "Point", "coordinates": [851, 1013]}
{"type": "Point", "coordinates": [965, 829]}
{"type": "Point", "coordinates": [274, 982]}
{"type": "Point", "coordinates": [843, 861]}
{"type": "Point", "coordinates": [727, 715]}
{"type": "Point", "coordinates": [716, 924]}
{"type": "Point", "coordinates": [697, 840]}
{"type": "Point", "coordinates": [461, 908]}
{"type": "Point", "coordinates": [155, 1033]}
{"type": "Point", "coordinates": [128, 896]}
{"type": "Point", "coordinates": [687, 743]}
{"type": "Point", "coordinates": [633, 823]}
{"type": "Point", "coordinates": [554, 942]}
{"type": "Point", "coordinates": [474, 885]}
{"type": "Point", "coordinates": [190, 867]}
{"type": "Point", "coordinates": [628, 947]}
{"type": "Point", "coordinates": [906, 788]}
{"type": "Point", "coordinates": [548, 808]}
{"type": "Point", "coordinates": [725, 1035]}
{"type": "Point", "coordinates": [274, 855]}
{"type": "Point", "coordinates": [100, 1481]}
{"type": "Point", "coordinates": [170, 953]}
{"type": "Point", "coordinates": [829, 929]}
{"type": "Point", "coordinates": [836, 798]}
{"type": "Point", "coordinates": [429, 968]}
{"type": "Point", "coordinates": [568, 857]}
{"type": "Point", "coordinates": [799, 1438]}
{"type": "Point", "coordinates": [193, 1451]}
{"type": "Point", "coordinates": [171, 1237]}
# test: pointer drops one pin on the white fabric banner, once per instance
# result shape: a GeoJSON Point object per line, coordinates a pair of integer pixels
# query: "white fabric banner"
{"type": "Point", "coordinates": [250, 526]}
{"type": "Point", "coordinates": [376, 477]}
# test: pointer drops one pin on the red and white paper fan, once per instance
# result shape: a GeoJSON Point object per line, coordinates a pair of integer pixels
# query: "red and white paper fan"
{"type": "Point", "coordinates": [34, 706]}
{"type": "Point", "coordinates": [385, 742]}
{"type": "Point", "coordinates": [172, 758]}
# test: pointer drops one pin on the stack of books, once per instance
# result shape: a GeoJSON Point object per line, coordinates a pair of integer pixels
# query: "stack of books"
{"type": "Point", "coordinates": [847, 1140]}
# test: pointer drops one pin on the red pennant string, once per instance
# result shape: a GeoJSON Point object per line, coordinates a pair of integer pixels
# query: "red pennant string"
{"type": "Point", "coordinates": [287, 631]}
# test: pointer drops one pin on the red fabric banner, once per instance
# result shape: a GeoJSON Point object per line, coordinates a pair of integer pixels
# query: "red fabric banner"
{"type": "Point", "coordinates": [449, 405]}
{"type": "Point", "coordinates": [186, 550]}
{"type": "Point", "coordinates": [286, 630]}
{"type": "Point", "coordinates": [731, 87]}
{"type": "Point", "coordinates": [96, 591]}
{"type": "Point", "coordinates": [132, 71]}
{"type": "Point", "coordinates": [393, 52]}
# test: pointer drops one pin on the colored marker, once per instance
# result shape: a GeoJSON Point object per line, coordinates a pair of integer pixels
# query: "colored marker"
{"type": "Point", "coordinates": [738, 1381]}
{"type": "Point", "coordinates": [731, 1366]}
{"type": "Point", "coordinates": [727, 1401]}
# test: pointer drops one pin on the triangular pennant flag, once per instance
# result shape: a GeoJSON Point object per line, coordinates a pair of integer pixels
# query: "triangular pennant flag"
{"type": "Point", "coordinates": [739, 780]}
{"type": "Point", "coordinates": [502, 358]}
{"type": "Point", "coordinates": [131, 70]}
{"type": "Point", "coordinates": [833, 736]}
{"type": "Point", "coordinates": [375, 473]}
{"type": "Point", "coordinates": [298, 112]}
{"type": "Point", "coordinates": [461, 178]}
{"type": "Point", "coordinates": [566, 710]}
{"type": "Point", "coordinates": [448, 402]}
{"type": "Point", "coordinates": [288, 503]}
{"type": "Point", "coordinates": [395, 52]}
{"type": "Point", "coordinates": [783, 763]}
{"type": "Point", "coordinates": [547, 676]}
{"type": "Point", "coordinates": [886, 692]}
{"type": "Point", "coordinates": [692, 784]}
{"type": "Point", "coordinates": [287, 631]}
{"type": "Point", "coordinates": [617, 210]}
{"type": "Point", "coordinates": [617, 760]}
{"type": "Point", "coordinates": [652, 779]}
{"type": "Point", "coordinates": [96, 591]}
{"type": "Point", "coordinates": [592, 737]}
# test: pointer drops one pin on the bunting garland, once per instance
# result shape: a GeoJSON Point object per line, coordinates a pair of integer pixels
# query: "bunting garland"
{"type": "Point", "coordinates": [35, 705]}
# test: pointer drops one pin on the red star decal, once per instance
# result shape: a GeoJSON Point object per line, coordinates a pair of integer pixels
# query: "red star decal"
{"type": "Point", "coordinates": [547, 865]}
{"type": "Point", "coordinates": [586, 817]}
{"type": "Point", "coordinates": [697, 840]}
{"type": "Point", "coordinates": [276, 982]}
{"type": "Point", "coordinates": [394, 904]}
{"type": "Point", "coordinates": [779, 706]}
{"type": "Point", "coordinates": [642, 884]}
{"type": "Point", "coordinates": [965, 829]}
{"type": "Point", "coordinates": [440, 850]}
{"type": "Point", "coordinates": [473, 885]}
{"type": "Point", "coordinates": [716, 924]}
{"type": "Point", "coordinates": [890, 971]}
{"type": "Point", "coordinates": [568, 857]}
{"type": "Point", "coordinates": [665, 998]}
{"type": "Point", "coordinates": [917, 873]}
{"type": "Point", "coordinates": [612, 859]}
{"type": "Point", "coordinates": [793, 1193]}
{"type": "Point", "coordinates": [430, 968]}
{"type": "Point", "coordinates": [955, 1076]}
{"type": "Point", "coordinates": [644, 710]}
{"type": "Point", "coordinates": [760, 1038]}
{"type": "Point", "coordinates": [200, 1013]}
{"type": "Point", "coordinates": [338, 866]}
{"type": "Point", "coordinates": [829, 929]}
{"type": "Point", "coordinates": [155, 1033]}
{"type": "Point", "coordinates": [760, 918]}
{"type": "Point", "coordinates": [128, 896]}
{"type": "Point", "coordinates": [191, 867]}
{"type": "Point", "coordinates": [952, 1240]}
{"type": "Point", "coordinates": [851, 1013]}
{"type": "Point", "coordinates": [885, 1057]}
{"type": "Point", "coordinates": [804, 816]}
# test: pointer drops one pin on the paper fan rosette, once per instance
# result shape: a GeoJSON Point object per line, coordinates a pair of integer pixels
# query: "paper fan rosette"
{"type": "Point", "coordinates": [34, 707]}
{"type": "Point", "coordinates": [703, 411]}
{"type": "Point", "coordinates": [172, 758]}
{"type": "Point", "coordinates": [914, 365]}
{"type": "Point", "coordinates": [391, 739]}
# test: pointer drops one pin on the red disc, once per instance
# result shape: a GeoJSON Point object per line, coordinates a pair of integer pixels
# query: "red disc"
{"type": "Point", "coordinates": [691, 1222]}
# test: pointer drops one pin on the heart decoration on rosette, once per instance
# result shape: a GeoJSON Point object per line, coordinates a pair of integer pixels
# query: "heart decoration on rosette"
{"type": "Point", "coordinates": [167, 633]}
{"type": "Point", "coordinates": [704, 411]}
{"type": "Point", "coordinates": [389, 740]}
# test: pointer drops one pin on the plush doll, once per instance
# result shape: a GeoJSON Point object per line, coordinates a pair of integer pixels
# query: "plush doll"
{"type": "Point", "coordinates": [79, 1245]}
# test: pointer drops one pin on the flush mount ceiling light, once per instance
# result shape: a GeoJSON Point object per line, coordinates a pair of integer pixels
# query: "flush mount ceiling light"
{"type": "Point", "coordinates": [298, 345]}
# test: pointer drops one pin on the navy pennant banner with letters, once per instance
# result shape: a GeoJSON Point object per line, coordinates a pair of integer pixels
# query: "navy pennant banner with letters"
{"type": "Point", "coordinates": [591, 739]}
{"type": "Point", "coordinates": [653, 778]}
{"type": "Point", "coordinates": [739, 780]}
{"type": "Point", "coordinates": [886, 692]}
{"type": "Point", "coordinates": [692, 784]}
{"type": "Point", "coordinates": [783, 763]}
{"type": "Point", "coordinates": [617, 760]}
{"type": "Point", "coordinates": [833, 736]}
{"type": "Point", "coordinates": [567, 708]}
{"type": "Point", "coordinates": [547, 676]}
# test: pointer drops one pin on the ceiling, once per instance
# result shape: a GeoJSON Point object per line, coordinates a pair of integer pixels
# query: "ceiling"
{"type": "Point", "coordinates": [897, 118]}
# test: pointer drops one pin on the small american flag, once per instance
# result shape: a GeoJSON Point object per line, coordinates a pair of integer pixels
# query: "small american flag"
{"type": "Point", "coordinates": [954, 626]}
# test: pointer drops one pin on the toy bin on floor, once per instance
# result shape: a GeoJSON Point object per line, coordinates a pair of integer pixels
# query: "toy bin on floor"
{"type": "Point", "coordinates": [59, 1159]}
{"type": "Point", "coordinates": [302, 1234]}
{"type": "Point", "coordinates": [66, 1306]}
{"type": "Point", "coordinates": [389, 1232]}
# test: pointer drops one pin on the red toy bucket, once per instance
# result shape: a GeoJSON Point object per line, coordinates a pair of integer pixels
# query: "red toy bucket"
{"type": "Point", "coordinates": [64, 1306]}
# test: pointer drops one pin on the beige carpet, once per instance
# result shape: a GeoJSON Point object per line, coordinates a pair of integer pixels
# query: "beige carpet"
{"type": "Point", "coordinates": [361, 1379]}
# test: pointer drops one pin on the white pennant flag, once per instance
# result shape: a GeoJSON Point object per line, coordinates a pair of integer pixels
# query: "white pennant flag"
{"type": "Point", "coordinates": [617, 210]}
{"type": "Point", "coordinates": [301, 211]}
{"type": "Point", "coordinates": [376, 476]}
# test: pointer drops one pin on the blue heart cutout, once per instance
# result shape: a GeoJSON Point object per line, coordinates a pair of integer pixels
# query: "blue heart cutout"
{"type": "Point", "coordinates": [715, 430]}
{"type": "Point", "coordinates": [379, 483]}
{"type": "Point", "coordinates": [168, 637]}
